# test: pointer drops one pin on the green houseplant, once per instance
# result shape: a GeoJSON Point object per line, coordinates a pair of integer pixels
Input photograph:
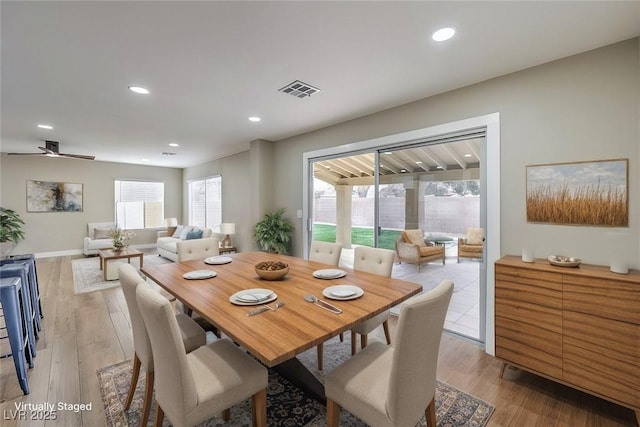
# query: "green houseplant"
{"type": "Point", "coordinates": [274, 232]}
{"type": "Point", "coordinates": [11, 231]}
{"type": "Point", "coordinates": [10, 226]}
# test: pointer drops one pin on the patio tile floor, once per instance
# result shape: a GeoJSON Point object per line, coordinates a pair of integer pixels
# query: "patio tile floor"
{"type": "Point", "coordinates": [464, 309]}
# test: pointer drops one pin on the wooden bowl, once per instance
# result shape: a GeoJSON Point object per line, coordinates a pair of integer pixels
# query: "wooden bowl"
{"type": "Point", "coordinates": [268, 270]}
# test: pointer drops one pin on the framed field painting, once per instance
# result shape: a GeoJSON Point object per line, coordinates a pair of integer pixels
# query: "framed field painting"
{"type": "Point", "coordinates": [45, 196]}
{"type": "Point", "coordinates": [581, 193]}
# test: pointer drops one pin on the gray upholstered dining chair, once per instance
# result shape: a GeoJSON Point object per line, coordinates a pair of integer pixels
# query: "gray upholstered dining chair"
{"type": "Point", "coordinates": [377, 261]}
{"type": "Point", "coordinates": [189, 250]}
{"type": "Point", "coordinates": [393, 386]}
{"type": "Point", "coordinates": [326, 253]}
{"type": "Point", "coordinates": [193, 387]}
{"type": "Point", "coordinates": [192, 335]}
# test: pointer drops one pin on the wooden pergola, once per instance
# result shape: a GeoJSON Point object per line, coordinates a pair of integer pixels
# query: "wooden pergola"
{"type": "Point", "coordinates": [412, 167]}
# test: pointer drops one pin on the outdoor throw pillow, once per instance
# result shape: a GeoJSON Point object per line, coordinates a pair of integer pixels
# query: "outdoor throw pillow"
{"type": "Point", "coordinates": [413, 236]}
{"type": "Point", "coordinates": [194, 234]}
{"type": "Point", "coordinates": [475, 236]}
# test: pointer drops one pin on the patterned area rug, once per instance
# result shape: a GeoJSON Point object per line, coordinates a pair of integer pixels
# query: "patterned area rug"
{"type": "Point", "coordinates": [87, 276]}
{"type": "Point", "coordinates": [286, 405]}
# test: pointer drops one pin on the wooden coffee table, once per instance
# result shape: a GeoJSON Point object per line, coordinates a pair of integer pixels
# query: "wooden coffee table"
{"type": "Point", "coordinates": [107, 255]}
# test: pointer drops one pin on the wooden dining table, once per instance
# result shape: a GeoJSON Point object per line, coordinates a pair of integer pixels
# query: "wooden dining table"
{"type": "Point", "coordinates": [276, 337]}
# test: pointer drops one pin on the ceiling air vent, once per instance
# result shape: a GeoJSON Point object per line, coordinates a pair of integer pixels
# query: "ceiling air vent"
{"type": "Point", "coordinates": [299, 89]}
{"type": "Point", "coordinates": [168, 153]}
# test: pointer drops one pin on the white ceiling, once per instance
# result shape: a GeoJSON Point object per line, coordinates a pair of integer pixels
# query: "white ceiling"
{"type": "Point", "coordinates": [211, 65]}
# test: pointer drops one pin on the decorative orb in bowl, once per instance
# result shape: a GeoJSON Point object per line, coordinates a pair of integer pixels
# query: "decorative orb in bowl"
{"type": "Point", "coordinates": [272, 270]}
{"type": "Point", "coordinates": [563, 261]}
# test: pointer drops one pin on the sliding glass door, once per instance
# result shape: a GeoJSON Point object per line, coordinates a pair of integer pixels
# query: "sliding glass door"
{"type": "Point", "coordinates": [370, 198]}
{"type": "Point", "coordinates": [343, 200]}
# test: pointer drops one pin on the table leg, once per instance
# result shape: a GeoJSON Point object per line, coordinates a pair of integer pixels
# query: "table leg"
{"type": "Point", "coordinates": [297, 374]}
{"type": "Point", "coordinates": [104, 270]}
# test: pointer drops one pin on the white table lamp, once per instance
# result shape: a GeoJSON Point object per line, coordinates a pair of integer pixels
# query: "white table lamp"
{"type": "Point", "coordinates": [227, 228]}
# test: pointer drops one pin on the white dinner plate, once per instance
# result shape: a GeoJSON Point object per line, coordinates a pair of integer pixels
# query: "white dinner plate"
{"type": "Point", "coordinates": [199, 274]}
{"type": "Point", "coordinates": [253, 297]}
{"type": "Point", "coordinates": [343, 292]}
{"type": "Point", "coordinates": [329, 273]}
{"type": "Point", "coordinates": [218, 260]}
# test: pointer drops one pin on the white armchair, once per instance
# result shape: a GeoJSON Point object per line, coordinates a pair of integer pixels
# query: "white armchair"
{"type": "Point", "coordinates": [98, 237]}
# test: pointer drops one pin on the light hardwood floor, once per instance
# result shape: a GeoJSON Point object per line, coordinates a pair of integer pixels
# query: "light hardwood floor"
{"type": "Point", "coordinates": [85, 332]}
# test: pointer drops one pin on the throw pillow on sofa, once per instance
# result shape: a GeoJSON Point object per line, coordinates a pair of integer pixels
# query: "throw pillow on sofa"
{"type": "Point", "coordinates": [194, 234]}
{"type": "Point", "coordinates": [102, 233]}
{"type": "Point", "coordinates": [178, 231]}
{"type": "Point", "coordinates": [183, 234]}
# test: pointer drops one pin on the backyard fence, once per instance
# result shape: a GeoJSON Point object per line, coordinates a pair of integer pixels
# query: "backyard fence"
{"type": "Point", "coordinates": [447, 215]}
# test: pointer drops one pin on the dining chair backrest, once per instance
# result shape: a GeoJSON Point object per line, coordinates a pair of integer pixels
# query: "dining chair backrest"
{"type": "Point", "coordinates": [415, 358]}
{"type": "Point", "coordinates": [325, 252]}
{"type": "Point", "coordinates": [373, 260]}
{"type": "Point", "coordinates": [189, 250]}
{"type": "Point", "coordinates": [174, 383]}
{"type": "Point", "coordinates": [129, 280]}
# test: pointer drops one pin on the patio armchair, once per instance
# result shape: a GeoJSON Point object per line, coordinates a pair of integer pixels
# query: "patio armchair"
{"type": "Point", "coordinates": [411, 248]}
{"type": "Point", "coordinates": [471, 245]}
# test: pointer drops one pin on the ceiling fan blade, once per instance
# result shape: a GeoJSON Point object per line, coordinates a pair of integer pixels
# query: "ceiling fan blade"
{"type": "Point", "coordinates": [48, 151]}
{"type": "Point", "coordinates": [77, 156]}
{"type": "Point", "coordinates": [51, 150]}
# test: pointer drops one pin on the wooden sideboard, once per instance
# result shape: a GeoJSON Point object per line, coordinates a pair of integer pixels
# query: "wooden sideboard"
{"type": "Point", "coordinates": [577, 326]}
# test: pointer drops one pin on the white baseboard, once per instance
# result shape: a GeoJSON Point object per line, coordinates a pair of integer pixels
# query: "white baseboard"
{"type": "Point", "coordinates": [67, 252]}
{"type": "Point", "coordinates": [70, 252]}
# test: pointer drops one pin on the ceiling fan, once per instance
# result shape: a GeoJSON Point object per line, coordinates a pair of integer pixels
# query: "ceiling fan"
{"type": "Point", "coordinates": [51, 149]}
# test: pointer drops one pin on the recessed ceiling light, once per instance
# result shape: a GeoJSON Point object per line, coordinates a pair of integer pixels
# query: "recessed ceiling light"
{"type": "Point", "coordinates": [418, 162]}
{"type": "Point", "coordinates": [139, 90]}
{"type": "Point", "coordinates": [254, 119]}
{"type": "Point", "coordinates": [173, 144]}
{"type": "Point", "coordinates": [145, 160]}
{"type": "Point", "coordinates": [467, 155]}
{"type": "Point", "coordinates": [48, 127]}
{"type": "Point", "coordinates": [443, 34]}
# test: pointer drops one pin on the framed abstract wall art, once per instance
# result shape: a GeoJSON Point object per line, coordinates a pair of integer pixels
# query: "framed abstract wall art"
{"type": "Point", "coordinates": [45, 196]}
{"type": "Point", "coordinates": [592, 193]}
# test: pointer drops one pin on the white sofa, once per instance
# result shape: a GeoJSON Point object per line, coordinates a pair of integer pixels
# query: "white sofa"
{"type": "Point", "coordinates": [97, 237]}
{"type": "Point", "coordinates": [167, 245]}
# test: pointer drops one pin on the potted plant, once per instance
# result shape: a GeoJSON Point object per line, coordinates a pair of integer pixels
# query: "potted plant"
{"type": "Point", "coordinates": [274, 232]}
{"type": "Point", "coordinates": [121, 239]}
{"type": "Point", "coordinates": [11, 231]}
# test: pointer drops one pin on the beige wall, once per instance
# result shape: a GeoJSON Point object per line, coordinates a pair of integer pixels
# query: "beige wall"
{"type": "Point", "coordinates": [583, 107]}
{"type": "Point", "coordinates": [65, 231]}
